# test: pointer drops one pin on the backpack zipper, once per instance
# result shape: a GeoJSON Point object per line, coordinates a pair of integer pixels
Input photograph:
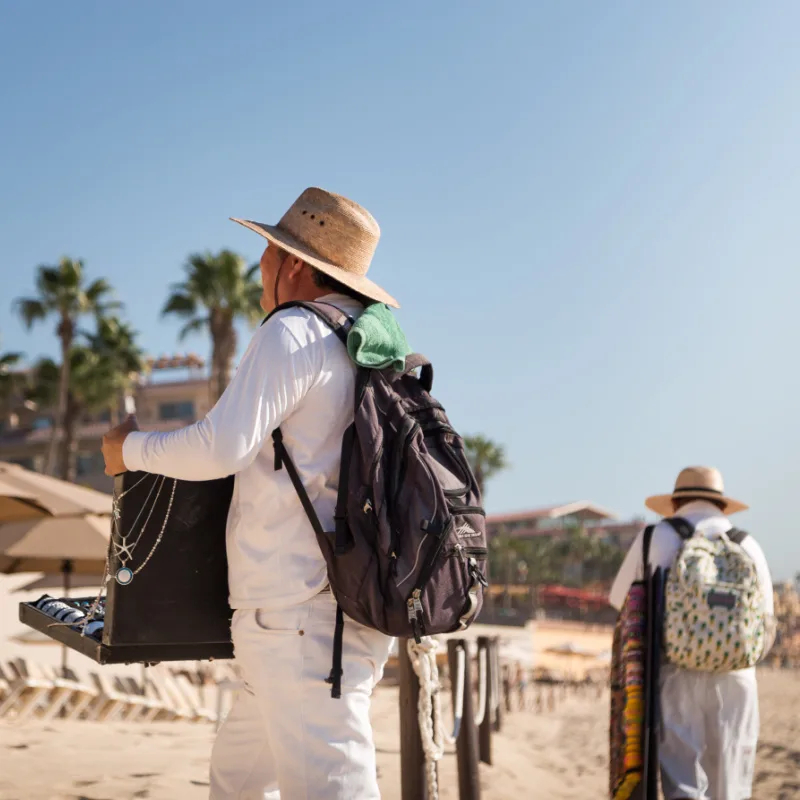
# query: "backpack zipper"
{"type": "Point", "coordinates": [464, 552]}
{"type": "Point", "coordinates": [414, 601]}
{"type": "Point", "coordinates": [467, 555]}
{"type": "Point", "coordinates": [399, 468]}
{"type": "Point", "coordinates": [467, 510]}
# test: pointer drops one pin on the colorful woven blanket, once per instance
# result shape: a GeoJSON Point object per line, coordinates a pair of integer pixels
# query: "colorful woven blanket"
{"type": "Point", "coordinates": [626, 735]}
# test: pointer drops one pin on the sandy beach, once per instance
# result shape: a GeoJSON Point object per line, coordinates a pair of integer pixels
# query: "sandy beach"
{"type": "Point", "coordinates": [562, 753]}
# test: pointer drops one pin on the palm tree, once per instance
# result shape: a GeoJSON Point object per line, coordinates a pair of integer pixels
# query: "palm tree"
{"type": "Point", "coordinates": [218, 289]}
{"type": "Point", "coordinates": [63, 294]}
{"type": "Point", "coordinates": [505, 551]}
{"type": "Point", "coordinates": [94, 383]}
{"type": "Point", "coordinates": [486, 459]}
{"type": "Point", "coordinates": [99, 371]}
{"type": "Point", "coordinates": [11, 381]}
{"type": "Point", "coordinates": [115, 341]}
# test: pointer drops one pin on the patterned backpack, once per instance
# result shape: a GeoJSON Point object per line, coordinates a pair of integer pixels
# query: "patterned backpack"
{"type": "Point", "coordinates": [408, 553]}
{"type": "Point", "coordinates": [714, 618]}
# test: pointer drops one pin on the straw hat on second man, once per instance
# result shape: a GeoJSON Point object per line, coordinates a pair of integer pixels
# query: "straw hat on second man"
{"type": "Point", "coordinates": [695, 483]}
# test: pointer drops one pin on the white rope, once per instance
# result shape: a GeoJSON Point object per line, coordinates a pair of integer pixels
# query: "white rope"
{"type": "Point", "coordinates": [423, 661]}
{"type": "Point", "coordinates": [429, 712]}
{"type": "Point", "coordinates": [482, 687]}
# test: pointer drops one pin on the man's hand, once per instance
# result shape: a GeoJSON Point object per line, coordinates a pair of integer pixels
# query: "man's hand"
{"type": "Point", "coordinates": [112, 445]}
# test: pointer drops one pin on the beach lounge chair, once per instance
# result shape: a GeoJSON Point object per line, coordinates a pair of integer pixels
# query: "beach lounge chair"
{"type": "Point", "coordinates": [151, 707]}
{"type": "Point", "coordinates": [27, 691]}
{"type": "Point", "coordinates": [68, 694]}
{"type": "Point", "coordinates": [169, 694]}
{"type": "Point", "coordinates": [112, 704]}
{"type": "Point", "coordinates": [191, 696]}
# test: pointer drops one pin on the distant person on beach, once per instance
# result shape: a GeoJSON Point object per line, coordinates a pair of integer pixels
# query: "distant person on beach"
{"type": "Point", "coordinates": [521, 681]}
{"type": "Point", "coordinates": [286, 736]}
{"type": "Point", "coordinates": [718, 617]}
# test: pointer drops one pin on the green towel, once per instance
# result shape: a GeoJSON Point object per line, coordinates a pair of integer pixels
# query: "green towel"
{"type": "Point", "coordinates": [376, 341]}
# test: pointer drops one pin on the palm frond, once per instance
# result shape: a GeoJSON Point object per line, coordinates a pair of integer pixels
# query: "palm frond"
{"type": "Point", "coordinates": [181, 303]}
{"type": "Point", "coordinates": [252, 271]}
{"type": "Point", "coordinates": [8, 360]}
{"type": "Point", "coordinates": [193, 326]}
{"type": "Point", "coordinates": [31, 311]}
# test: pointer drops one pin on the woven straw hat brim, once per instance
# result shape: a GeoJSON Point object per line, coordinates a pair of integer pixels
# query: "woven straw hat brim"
{"type": "Point", "coordinates": [360, 283]}
{"type": "Point", "coordinates": [662, 503]}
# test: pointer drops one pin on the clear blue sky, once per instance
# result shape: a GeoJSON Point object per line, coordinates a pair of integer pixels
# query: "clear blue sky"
{"type": "Point", "coordinates": [589, 211]}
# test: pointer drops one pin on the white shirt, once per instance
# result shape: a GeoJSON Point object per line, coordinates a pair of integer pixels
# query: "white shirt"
{"type": "Point", "coordinates": [665, 544]}
{"type": "Point", "coordinates": [295, 374]}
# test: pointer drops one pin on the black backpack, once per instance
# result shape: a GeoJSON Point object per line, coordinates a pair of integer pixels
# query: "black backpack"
{"type": "Point", "coordinates": [408, 553]}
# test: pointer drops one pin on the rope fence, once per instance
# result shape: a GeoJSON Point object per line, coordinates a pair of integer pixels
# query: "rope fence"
{"type": "Point", "coordinates": [425, 732]}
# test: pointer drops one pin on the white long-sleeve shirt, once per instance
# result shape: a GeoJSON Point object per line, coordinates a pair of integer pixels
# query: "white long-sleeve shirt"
{"type": "Point", "coordinates": [295, 374]}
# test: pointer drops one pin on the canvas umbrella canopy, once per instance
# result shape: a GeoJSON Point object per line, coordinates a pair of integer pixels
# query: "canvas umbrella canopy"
{"type": "Point", "coordinates": [16, 504]}
{"type": "Point", "coordinates": [47, 582]}
{"type": "Point", "coordinates": [50, 495]}
{"type": "Point", "coordinates": [56, 545]}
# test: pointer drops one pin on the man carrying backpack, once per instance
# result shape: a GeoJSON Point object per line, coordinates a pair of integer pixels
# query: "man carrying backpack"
{"type": "Point", "coordinates": [718, 623]}
{"type": "Point", "coordinates": [287, 736]}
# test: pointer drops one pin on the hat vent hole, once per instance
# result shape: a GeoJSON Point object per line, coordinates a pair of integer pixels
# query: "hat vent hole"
{"type": "Point", "coordinates": [312, 216]}
{"type": "Point", "coordinates": [321, 222]}
{"type": "Point", "coordinates": [305, 212]}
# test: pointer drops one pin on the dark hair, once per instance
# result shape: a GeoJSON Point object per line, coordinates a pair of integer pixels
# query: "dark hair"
{"type": "Point", "coordinates": [324, 281]}
{"type": "Point", "coordinates": [679, 503]}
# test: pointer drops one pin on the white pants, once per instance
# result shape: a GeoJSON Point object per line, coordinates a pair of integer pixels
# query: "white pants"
{"type": "Point", "coordinates": [285, 736]}
{"type": "Point", "coordinates": [708, 734]}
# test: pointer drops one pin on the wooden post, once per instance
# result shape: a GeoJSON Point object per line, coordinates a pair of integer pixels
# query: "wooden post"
{"type": "Point", "coordinates": [494, 652]}
{"type": "Point", "coordinates": [412, 757]}
{"type": "Point", "coordinates": [66, 570]}
{"type": "Point", "coordinates": [507, 686]}
{"type": "Point", "coordinates": [469, 787]}
{"type": "Point", "coordinates": [485, 729]}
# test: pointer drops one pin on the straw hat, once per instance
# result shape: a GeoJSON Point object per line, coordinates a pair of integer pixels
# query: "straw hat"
{"type": "Point", "coordinates": [333, 234]}
{"type": "Point", "coordinates": [697, 483]}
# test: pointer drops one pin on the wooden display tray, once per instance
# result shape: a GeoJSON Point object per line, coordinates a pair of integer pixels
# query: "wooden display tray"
{"type": "Point", "coordinates": [104, 653]}
{"type": "Point", "coordinates": [176, 607]}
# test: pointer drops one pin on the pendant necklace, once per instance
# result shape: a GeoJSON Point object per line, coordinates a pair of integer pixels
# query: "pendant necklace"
{"type": "Point", "coordinates": [123, 549]}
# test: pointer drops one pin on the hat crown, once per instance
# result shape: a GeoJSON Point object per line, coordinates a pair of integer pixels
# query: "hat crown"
{"type": "Point", "coordinates": [335, 228]}
{"type": "Point", "coordinates": [703, 478]}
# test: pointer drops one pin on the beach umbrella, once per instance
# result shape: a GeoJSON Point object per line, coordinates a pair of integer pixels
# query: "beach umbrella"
{"type": "Point", "coordinates": [46, 583]}
{"type": "Point", "coordinates": [17, 504]}
{"type": "Point", "coordinates": [56, 545]}
{"type": "Point", "coordinates": [70, 535]}
{"type": "Point", "coordinates": [47, 495]}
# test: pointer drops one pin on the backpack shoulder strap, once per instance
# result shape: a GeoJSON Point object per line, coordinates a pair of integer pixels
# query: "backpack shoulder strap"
{"type": "Point", "coordinates": [681, 526]}
{"type": "Point", "coordinates": [648, 537]}
{"type": "Point", "coordinates": [339, 322]}
{"type": "Point", "coordinates": [418, 361]}
{"type": "Point", "coordinates": [737, 536]}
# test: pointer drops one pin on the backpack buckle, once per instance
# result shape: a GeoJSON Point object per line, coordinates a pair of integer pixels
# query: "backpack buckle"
{"type": "Point", "coordinates": [414, 604]}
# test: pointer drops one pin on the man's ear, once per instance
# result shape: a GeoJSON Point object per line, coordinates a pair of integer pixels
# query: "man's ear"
{"type": "Point", "coordinates": [296, 266]}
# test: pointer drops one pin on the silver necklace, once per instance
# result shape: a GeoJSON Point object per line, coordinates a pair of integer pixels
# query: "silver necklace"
{"type": "Point", "coordinates": [123, 548]}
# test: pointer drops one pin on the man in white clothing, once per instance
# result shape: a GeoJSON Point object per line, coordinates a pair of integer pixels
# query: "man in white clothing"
{"type": "Point", "coordinates": [286, 737]}
{"type": "Point", "coordinates": [708, 721]}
